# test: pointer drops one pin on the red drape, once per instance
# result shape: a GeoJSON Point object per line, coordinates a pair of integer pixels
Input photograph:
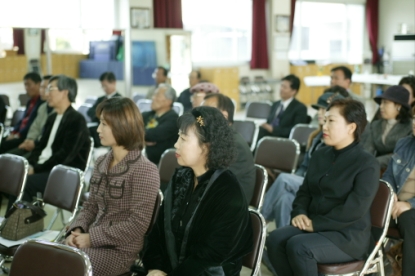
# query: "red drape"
{"type": "Point", "coordinates": [42, 41]}
{"type": "Point", "coordinates": [259, 54]}
{"type": "Point", "coordinates": [292, 16]}
{"type": "Point", "coordinates": [117, 32]}
{"type": "Point", "coordinates": [372, 22]}
{"type": "Point", "coordinates": [18, 40]}
{"type": "Point", "coordinates": [167, 14]}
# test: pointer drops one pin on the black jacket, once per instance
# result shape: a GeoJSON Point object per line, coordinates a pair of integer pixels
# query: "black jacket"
{"type": "Point", "coordinates": [164, 132]}
{"type": "Point", "coordinates": [3, 111]}
{"type": "Point", "coordinates": [23, 132]}
{"type": "Point", "coordinates": [92, 111]}
{"type": "Point", "coordinates": [337, 194]}
{"type": "Point", "coordinates": [184, 99]}
{"type": "Point", "coordinates": [220, 232]}
{"type": "Point", "coordinates": [71, 144]}
{"type": "Point", "coordinates": [295, 113]}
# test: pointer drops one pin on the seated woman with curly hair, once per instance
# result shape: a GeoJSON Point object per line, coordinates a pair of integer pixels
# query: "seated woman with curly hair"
{"type": "Point", "coordinates": [204, 226]}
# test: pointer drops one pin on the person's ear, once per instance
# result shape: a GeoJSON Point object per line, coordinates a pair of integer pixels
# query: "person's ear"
{"type": "Point", "coordinates": [225, 113]}
{"type": "Point", "coordinates": [352, 128]}
{"type": "Point", "coordinates": [398, 107]}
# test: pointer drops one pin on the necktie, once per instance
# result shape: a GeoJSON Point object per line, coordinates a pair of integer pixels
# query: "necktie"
{"type": "Point", "coordinates": [277, 117]}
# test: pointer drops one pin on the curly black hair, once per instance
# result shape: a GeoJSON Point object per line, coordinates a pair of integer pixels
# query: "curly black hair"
{"type": "Point", "coordinates": [213, 130]}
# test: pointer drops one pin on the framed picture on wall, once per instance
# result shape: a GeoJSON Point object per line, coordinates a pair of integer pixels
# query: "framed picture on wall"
{"type": "Point", "coordinates": [140, 18]}
{"type": "Point", "coordinates": [282, 23]}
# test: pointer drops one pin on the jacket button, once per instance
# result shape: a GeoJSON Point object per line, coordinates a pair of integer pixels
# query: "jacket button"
{"type": "Point", "coordinates": [407, 170]}
{"type": "Point", "coordinates": [398, 161]}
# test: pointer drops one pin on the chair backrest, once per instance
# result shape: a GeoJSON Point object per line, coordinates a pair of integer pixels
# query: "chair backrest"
{"type": "Point", "coordinates": [178, 107]}
{"type": "Point", "coordinates": [248, 130]}
{"type": "Point", "coordinates": [13, 172]}
{"type": "Point", "coordinates": [1, 132]}
{"type": "Point", "coordinates": [90, 154]}
{"type": "Point", "coordinates": [261, 181]}
{"type": "Point", "coordinates": [157, 205]}
{"type": "Point", "coordinates": [6, 99]}
{"type": "Point", "coordinates": [18, 114]}
{"type": "Point", "coordinates": [83, 109]}
{"type": "Point", "coordinates": [91, 100]}
{"type": "Point", "coordinates": [36, 257]}
{"type": "Point", "coordinates": [167, 165]}
{"type": "Point", "coordinates": [277, 154]}
{"type": "Point", "coordinates": [144, 105]}
{"type": "Point", "coordinates": [63, 188]}
{"type": "Point", "coordinates": [253, 259]}
{"type": "Point", "coordinates": [259, 110]}
{"type": "Point", "coordinates": [301, 132]}
{"type": "Point", "coordinates": [23, 99]}
{"type": "Point", "coordinates": [137, 97]}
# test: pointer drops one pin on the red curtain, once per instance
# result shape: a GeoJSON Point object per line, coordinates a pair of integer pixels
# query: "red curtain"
{"type": "Point", "coordinates": [18, 40]}
{"type": "Point", "coordinates": [292, 16]}
{"type": "Point", "coordinates": [259, 54]}
{"type": "Point", "coordinates": [372, 22]}
{"type": "Point", "coordinates": [42, 40]}
{"type": "Point", "coordinates": [117, 32]}
{"type": "Point", "coordinates": [167, 14]}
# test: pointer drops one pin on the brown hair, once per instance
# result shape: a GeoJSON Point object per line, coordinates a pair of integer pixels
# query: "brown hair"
{"type": "Point", "coordinates": [312, 136]}
{"type": "Point", "coordinates": [125, 120]}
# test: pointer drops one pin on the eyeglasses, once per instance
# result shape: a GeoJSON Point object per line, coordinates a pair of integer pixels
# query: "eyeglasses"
{"type": "Point", "coordinates": [49, 89]}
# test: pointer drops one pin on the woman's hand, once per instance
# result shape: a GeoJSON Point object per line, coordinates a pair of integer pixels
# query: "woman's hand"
{"type": "Point", "coordinates": [81, 240]}
{"type": "Point", "coordinates": [70, 239]}
{"type": "Point", "coordinates": [156, 272]}
{"type": "Point", "coordinates": [302, 222]}
{"type": "Point", "coordinates": [399, 207]}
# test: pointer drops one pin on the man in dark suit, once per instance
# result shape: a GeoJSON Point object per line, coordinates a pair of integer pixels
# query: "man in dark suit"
{"type": "Point", "coordinates": [109, 85]}
{"type": "Point", "coordinates": [243, 166]}
{"type": "Point", "coordinates": [65, 139]}
{"type": "Point", "coordinates": [184, 98]}
{"type": "Point", "coordinates": [160, 123]}
{"type": "Point", "coordinates": [285, 113]}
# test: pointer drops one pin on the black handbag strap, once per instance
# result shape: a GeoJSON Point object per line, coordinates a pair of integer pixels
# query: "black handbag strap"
{"type": "Point", "coordinates": [37, 212]}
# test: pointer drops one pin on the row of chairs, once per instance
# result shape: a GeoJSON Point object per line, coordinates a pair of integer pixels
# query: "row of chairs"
{"type": "Point", "coordinates": [259, 89]}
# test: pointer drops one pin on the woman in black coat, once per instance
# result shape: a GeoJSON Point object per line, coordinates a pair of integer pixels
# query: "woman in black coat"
{"type": "Point", "coordinates": [204, 226]}
{"type": "Point", "coordinates": [331, 212]}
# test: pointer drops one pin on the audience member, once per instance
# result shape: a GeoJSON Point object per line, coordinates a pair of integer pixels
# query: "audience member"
{"type": "Point", "coordinates": [65, 139]}
{"type": "Point", "coordinates": [200, 90]}
{"type": "Point", "coordinates": [111, 226]}
{"type": "Point", "coordinates": [285, 113]}
{"type": "Point", "coordinates": [204, 226]}
{"type": "Point", "coordinates": [160, 123]}
{"type": "Point", "coordinates": [160, 76]}
{"type": "Point", "coordinates": [243, 166]}
{"type": "Point", "coordinates": [280, 196]}
{"type": "Point", "coordinates": [109, 85]}
{"type": "Point", "coordinates": [35, 130]}
{"type": "Point", "coordinates": [333, 89]}
{"type": "Point", "coordinates": [401, 175]}
{"type": "Point", "coordinates": [331, 211]}
{"type": "Point", "coordinates": [3, 111]}
{"type": "Point", "coordinates": [184, 97]}
{"type": "Point", "coordinates": [342, 76]}
{"type": "Point", "coordinates": [383, 134]}
{"type": "Point", "coordinates": [409, 83]}
{"type": "Point", "coordinates": [32, 85]}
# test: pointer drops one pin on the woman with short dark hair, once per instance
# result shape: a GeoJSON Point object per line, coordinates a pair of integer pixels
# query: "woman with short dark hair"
{"type": "Point", "coordinates": [111, 226]}
{"type": "Point", "coordinates": [203, 227]}
{"type": "Point", "coordinates": [331, 212]}
{"type": "Point", "coordinates": [395, 123]}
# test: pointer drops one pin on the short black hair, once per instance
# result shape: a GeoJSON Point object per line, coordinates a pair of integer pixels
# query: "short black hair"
{"type": "Point", "coordinates": [165, 71]}
{"type": "Point", "coordinates": [337, 89]}
{"type": "Point", "coordinates": [66, 83]}
{"type": "Point", "coordinates": [409, 80]}
{"type": "Point", "coordinates": [35, 77]}
{"type": "Point", "coordinates": [404, 116]}
{"type": "Point", "coordinates": [352, 111]}
{"type": "Point", "coordinates": [47, 77]}
{"type": "Point", "coordinates": [346, 71]}
{"type": "Point", "coordinates": [294, 81]}
{"type": "Point", "coordinates": [108, 76]}
{"type": "Point", "coordinates": [215, 132]}
{"type": "Point", "coordinates": [224, 104]}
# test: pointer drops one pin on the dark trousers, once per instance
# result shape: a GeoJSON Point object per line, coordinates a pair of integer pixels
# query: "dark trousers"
{"type": "Point", "coordinates": [7, 145]}
{"type": "Point", "coordinates": [406, 226]}
{"type": "Point", "coordinates": [296, 252]}
{"type": "Point", "coordinates": [35, 183]}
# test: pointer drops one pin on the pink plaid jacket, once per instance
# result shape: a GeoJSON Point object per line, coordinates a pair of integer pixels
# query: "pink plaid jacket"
{"type": "Point", "coordinates": [119, 209]}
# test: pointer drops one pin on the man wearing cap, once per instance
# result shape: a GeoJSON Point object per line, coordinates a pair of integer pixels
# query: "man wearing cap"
{"type": "Point", "coordinates": [279, 198]}
{"type": "Point", "coordinates": [200, 90]}
{"type": "Point", "coordinates": [395, 124]}
{"type": "Point", "coordinates": [285, 113]}
{"type": "Point", "coordinates": [184, 98]}
{"type": "Point", "coordinates": [160, 123]}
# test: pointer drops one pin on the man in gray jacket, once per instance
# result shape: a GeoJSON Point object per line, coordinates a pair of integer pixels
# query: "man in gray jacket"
{"type": "Point", "coordinates": [36, 129]}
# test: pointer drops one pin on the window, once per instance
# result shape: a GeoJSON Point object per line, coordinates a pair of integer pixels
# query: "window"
{"type": "Point", "coordinates": [221, 30]}
{"type": "Point", "coordinates": [330, 32]}
{"type": "Point", "coordinates": [6, 39]}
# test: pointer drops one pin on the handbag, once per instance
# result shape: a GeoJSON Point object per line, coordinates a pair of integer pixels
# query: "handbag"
{"type": "Point", "coordinates": [394, 255]}
{"type": "Point", "coordinates": [22, 219]}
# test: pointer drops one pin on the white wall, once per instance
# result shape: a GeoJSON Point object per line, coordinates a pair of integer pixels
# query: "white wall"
{"type": "Point", "coordinates": [391, 14]}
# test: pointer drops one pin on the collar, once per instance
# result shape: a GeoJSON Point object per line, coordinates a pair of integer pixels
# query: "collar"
{"type": "Point", "coordinates": [347, 148]}
{"type": "Point", "coordinates": [122, 167]}
{"type": "Point", "coordinates": [111, 95]}
{"type": "Point", "coordinates": [34, 99]}
{"type": "Point", "coordinates": [287, 102]}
